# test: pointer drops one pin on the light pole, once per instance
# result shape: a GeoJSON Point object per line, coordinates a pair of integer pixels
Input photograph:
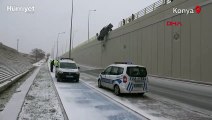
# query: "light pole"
{"type": "Point", "coordinates": [74, 34]}
{"type": "Point", "coordinates": [72, 11]}
{"type": "Point", "coordinates": [17, 43]}
{"type": "Point", "coordinates": [57, 42]}
{"type": "Point", "coordinates": [89, 21]}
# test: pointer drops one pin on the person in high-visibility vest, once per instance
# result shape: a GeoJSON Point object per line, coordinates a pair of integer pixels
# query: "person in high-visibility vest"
{"type": "Point", "coordinates": [56, 63]}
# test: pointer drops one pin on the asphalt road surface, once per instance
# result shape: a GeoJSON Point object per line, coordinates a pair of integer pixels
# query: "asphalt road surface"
{"type": "Point", "coordinates": [81, 102]}
{"type": "Point", "coordinates": [191, 95]}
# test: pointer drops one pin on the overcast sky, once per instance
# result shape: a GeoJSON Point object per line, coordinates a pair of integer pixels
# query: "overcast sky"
{"type": "Point", "coordinates": [50, 17]}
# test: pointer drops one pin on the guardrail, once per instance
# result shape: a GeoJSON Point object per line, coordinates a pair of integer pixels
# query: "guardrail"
{"type": "Point", "coordinates": [144, 11]}
{"type": "Point", "coordinates": [135, 16]}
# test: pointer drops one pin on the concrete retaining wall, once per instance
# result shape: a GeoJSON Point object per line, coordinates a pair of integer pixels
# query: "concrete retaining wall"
{"type": "Point", "coordinates": [150, 42]}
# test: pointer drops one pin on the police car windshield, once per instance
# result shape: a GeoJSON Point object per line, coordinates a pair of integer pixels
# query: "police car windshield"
{"type": "Point", "coordinates": [68, 65]}
{"type": "Point", "coordinates": [136, 71]}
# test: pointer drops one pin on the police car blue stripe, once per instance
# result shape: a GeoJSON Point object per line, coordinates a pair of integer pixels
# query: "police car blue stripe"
{"type": "Point", "coordinates": [117, 80]}
{"type": "Point", "coordinates": [128, 86]}
{"type": "Point", "coordinates": [131, 87]}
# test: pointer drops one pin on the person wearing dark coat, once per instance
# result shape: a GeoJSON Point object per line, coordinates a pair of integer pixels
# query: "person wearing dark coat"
{"type": "Point", "coordinates": [51, 65]}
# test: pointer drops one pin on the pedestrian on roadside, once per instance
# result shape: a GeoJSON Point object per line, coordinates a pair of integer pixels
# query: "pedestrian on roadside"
{"type": "Point", "coordinates": [51, 65]}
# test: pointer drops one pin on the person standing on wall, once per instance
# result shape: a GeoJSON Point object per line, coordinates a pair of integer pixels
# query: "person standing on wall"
{"type": "Point", "coordinates": [123, 21]}
{"type": "Point", "coordinates": [133, 17]}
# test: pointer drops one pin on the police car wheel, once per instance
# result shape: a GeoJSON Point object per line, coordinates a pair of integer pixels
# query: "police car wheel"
{"type": "Point", "coordinates": [99, 84]}
{"type": "Point", "coordinates": [116, 90]}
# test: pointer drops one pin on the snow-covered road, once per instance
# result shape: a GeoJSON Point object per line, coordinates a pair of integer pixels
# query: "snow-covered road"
{"type": "Point", "coordinates": [150, 105]}
{"type": "Point", "coordinates": [82, 102]}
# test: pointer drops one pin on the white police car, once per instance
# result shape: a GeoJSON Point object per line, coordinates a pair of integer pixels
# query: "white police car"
{"type": "Point", "coordinates": [124, 78]}
{"type": "Point", "coordinates": [67, 70]}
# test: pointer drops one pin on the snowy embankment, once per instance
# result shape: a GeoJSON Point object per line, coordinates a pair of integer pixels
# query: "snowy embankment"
{"type": "Point", "coordinates": [12, 63]}
{"type": "Point", "coordinates": [13, 66]}
{"type": "Point", "coordinates": [42, 102]}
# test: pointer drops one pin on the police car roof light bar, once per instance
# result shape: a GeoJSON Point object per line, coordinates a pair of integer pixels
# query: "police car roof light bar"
{"type": "Point", "coordinates": [123, 62]}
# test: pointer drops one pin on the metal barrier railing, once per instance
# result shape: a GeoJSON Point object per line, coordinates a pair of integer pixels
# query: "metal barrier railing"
{"type": "Point", "coordinates": [135, 16]}
{"type": "Point", "coordinates": [144, 11]}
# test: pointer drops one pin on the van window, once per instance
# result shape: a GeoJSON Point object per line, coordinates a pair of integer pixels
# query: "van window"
{"type": "Point", "coordinates": [68, 65]}
{"type": "Point", "coordinates": [116, 71]}
{"type": "Point", "coordinates": [136, 71]}
{"type": "Point", "coordinates": [107, 70]}
{"type": "Point", "coordinates": [120, 71]}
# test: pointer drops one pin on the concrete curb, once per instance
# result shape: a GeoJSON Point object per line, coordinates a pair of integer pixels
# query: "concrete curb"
{"type": "Point", "coordinates": [9, 82]}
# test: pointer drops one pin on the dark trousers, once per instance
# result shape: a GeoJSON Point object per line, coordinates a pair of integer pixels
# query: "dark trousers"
{"type": "Point", "coordinates": [51, 68]}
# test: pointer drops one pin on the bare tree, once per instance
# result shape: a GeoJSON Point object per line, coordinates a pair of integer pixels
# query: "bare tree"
{"type": "Point", "coordinates": [38, 54]}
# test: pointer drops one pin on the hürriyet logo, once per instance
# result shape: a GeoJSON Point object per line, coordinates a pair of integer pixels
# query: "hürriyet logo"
{"type": "Point", "coordinates": [187, 11]}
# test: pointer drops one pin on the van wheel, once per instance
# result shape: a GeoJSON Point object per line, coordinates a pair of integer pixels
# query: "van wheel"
{"type": "Point", "coordinates": [99, 84]}
{"type": "Point", "coordinates": [117, 90]}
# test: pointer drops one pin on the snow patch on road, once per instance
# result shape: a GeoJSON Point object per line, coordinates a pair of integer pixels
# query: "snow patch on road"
{"type": "Point", "coordinates": [41, 102]}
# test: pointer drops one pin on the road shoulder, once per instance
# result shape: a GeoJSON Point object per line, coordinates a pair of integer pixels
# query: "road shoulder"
{"type": "Point", "coordinates": [13, 107]}
{"type": "Point", "coordinates": [41, 101]}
